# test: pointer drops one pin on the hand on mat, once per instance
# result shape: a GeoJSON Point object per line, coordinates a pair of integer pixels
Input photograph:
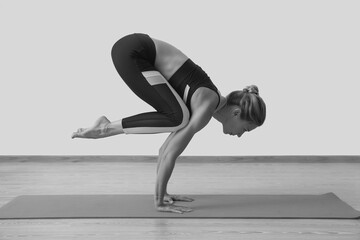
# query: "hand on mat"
{"type": "Point", "coordinates": [172, 198]}
{"type": "Point", "coordinates": [173, 208]}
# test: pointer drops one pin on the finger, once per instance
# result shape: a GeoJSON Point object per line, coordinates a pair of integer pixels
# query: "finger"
{"type": "Point", "coordinates": [80, 130]}
{"type": "Point", "coordinates": [188, 210]}
{"type": "Point", "coordinates": [190, 199]}
{"type": "Point", "coordinates": [182, 198]}
{"type": "Point", "coordinates": [183, 209]}
{"type": "Point", "coordinates": [176, 211]}
{"type": "Point", "coordinates": [74, 135]}
{"type": "Point", "coordinates": [186, 199]}
{"type": "Point", "coordinates": [168, 200]}
{"type": "Point", "coordinates": [169, 209]}
{"type": "Point", "coordinates": [77, 135]}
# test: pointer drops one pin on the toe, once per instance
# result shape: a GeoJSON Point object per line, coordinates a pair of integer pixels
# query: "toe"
{"type": "Point", "coordinates": [78, 135]}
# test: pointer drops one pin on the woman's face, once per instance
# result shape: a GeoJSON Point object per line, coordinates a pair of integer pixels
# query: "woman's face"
{"type": "Point", "coordinates": [236, 126]}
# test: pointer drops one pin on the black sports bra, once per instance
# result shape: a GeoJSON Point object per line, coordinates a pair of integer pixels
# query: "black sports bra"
{"type": "Point", "coordinates": [188, 78]}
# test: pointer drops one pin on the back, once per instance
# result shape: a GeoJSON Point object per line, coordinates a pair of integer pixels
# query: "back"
{"type": "Point", "coordinates": [168, 58]}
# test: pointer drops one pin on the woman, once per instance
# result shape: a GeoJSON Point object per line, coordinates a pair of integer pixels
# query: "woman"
{"type": "Point", "coordinates": [185, 100]}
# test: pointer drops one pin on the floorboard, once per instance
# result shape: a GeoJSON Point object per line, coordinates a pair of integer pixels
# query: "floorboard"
{"type": "Point", "coordinates": [21, 175]}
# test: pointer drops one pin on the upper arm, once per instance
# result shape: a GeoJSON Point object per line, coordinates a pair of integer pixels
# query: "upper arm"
{"type": "Point", "coordinates": [201, 115]}
{"type": "Point", "coordinates": [182, 137]}
{"type": "Point", "coordinates": [199, 119]}
{"type": "Point", "coordinates": [203, 108]}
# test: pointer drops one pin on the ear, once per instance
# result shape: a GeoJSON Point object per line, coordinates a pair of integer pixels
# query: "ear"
{"type": "Point", "coordinates": [236, 112]}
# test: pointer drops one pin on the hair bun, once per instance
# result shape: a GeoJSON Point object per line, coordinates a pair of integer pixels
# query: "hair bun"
{"type": "Point", "coordinates": [252, 89]}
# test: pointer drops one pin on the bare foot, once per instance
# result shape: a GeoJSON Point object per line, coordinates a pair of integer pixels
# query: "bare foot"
{"type": "Point", "coordinates": [96, 131]}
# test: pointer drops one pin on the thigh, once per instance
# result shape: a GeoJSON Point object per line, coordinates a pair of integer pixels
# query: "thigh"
{"type": "Point", "coordinates": [169, 100]}
{"type": "Point", "coordinates": [134, 52]}
{"type": "Point", "coordinates": [133, 59]}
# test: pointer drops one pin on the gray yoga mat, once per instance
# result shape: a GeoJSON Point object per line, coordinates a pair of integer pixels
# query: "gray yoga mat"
{"type": "Point", "coordinates": [205, 206]}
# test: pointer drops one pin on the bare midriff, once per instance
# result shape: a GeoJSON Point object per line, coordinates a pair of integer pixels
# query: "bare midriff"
{"type": "Point", "coordinates": [168, 58]}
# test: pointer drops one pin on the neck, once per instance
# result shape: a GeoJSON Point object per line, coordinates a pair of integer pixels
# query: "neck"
{"type": "Point", "coordinates": [219, 113]}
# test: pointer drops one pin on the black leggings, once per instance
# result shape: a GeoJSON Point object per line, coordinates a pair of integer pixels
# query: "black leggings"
{"type": "Point", "coordinates": [134, 59]}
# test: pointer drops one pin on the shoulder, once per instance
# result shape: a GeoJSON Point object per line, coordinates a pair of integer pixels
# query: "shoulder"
{"type": "Point", "coordinates": [203, 105]}
{"type": "Point", "coordinates": [206, 98]}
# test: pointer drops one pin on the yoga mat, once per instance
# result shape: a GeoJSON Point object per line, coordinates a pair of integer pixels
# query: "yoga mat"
{"type": "Point", "coordinates": [205, 206]}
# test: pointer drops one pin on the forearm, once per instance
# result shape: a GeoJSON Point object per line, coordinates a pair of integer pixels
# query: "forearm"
{"type": "Point", "coordinates": [175, 145]}
{"type": "Point", "coordinates": [167, 159]}
{"type": "Point", "coordinates": [166, 143]}
{"type": "Point", "coordinates": [165, 170]}
{"type": "Point", "coordinates": [162, 150]}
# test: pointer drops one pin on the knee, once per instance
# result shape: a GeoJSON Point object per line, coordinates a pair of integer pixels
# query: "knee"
{"type": "Point", "coordinates": [181, 119]}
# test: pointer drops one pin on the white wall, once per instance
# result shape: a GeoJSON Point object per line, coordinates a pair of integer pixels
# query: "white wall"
{"type": "Point", "coordinates": [57, 74]}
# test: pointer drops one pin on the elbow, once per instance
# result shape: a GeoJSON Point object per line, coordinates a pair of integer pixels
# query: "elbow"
{"type": "Point", "coordinates": [180, 118]}
{"type": "Point", "coordinates": [168, 156]}
{"type": "Point", "coordinates": [161, 150]}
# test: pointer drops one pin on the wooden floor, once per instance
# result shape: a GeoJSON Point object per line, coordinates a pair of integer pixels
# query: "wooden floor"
{"type": "Point", "coordinates": [21, 175]}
